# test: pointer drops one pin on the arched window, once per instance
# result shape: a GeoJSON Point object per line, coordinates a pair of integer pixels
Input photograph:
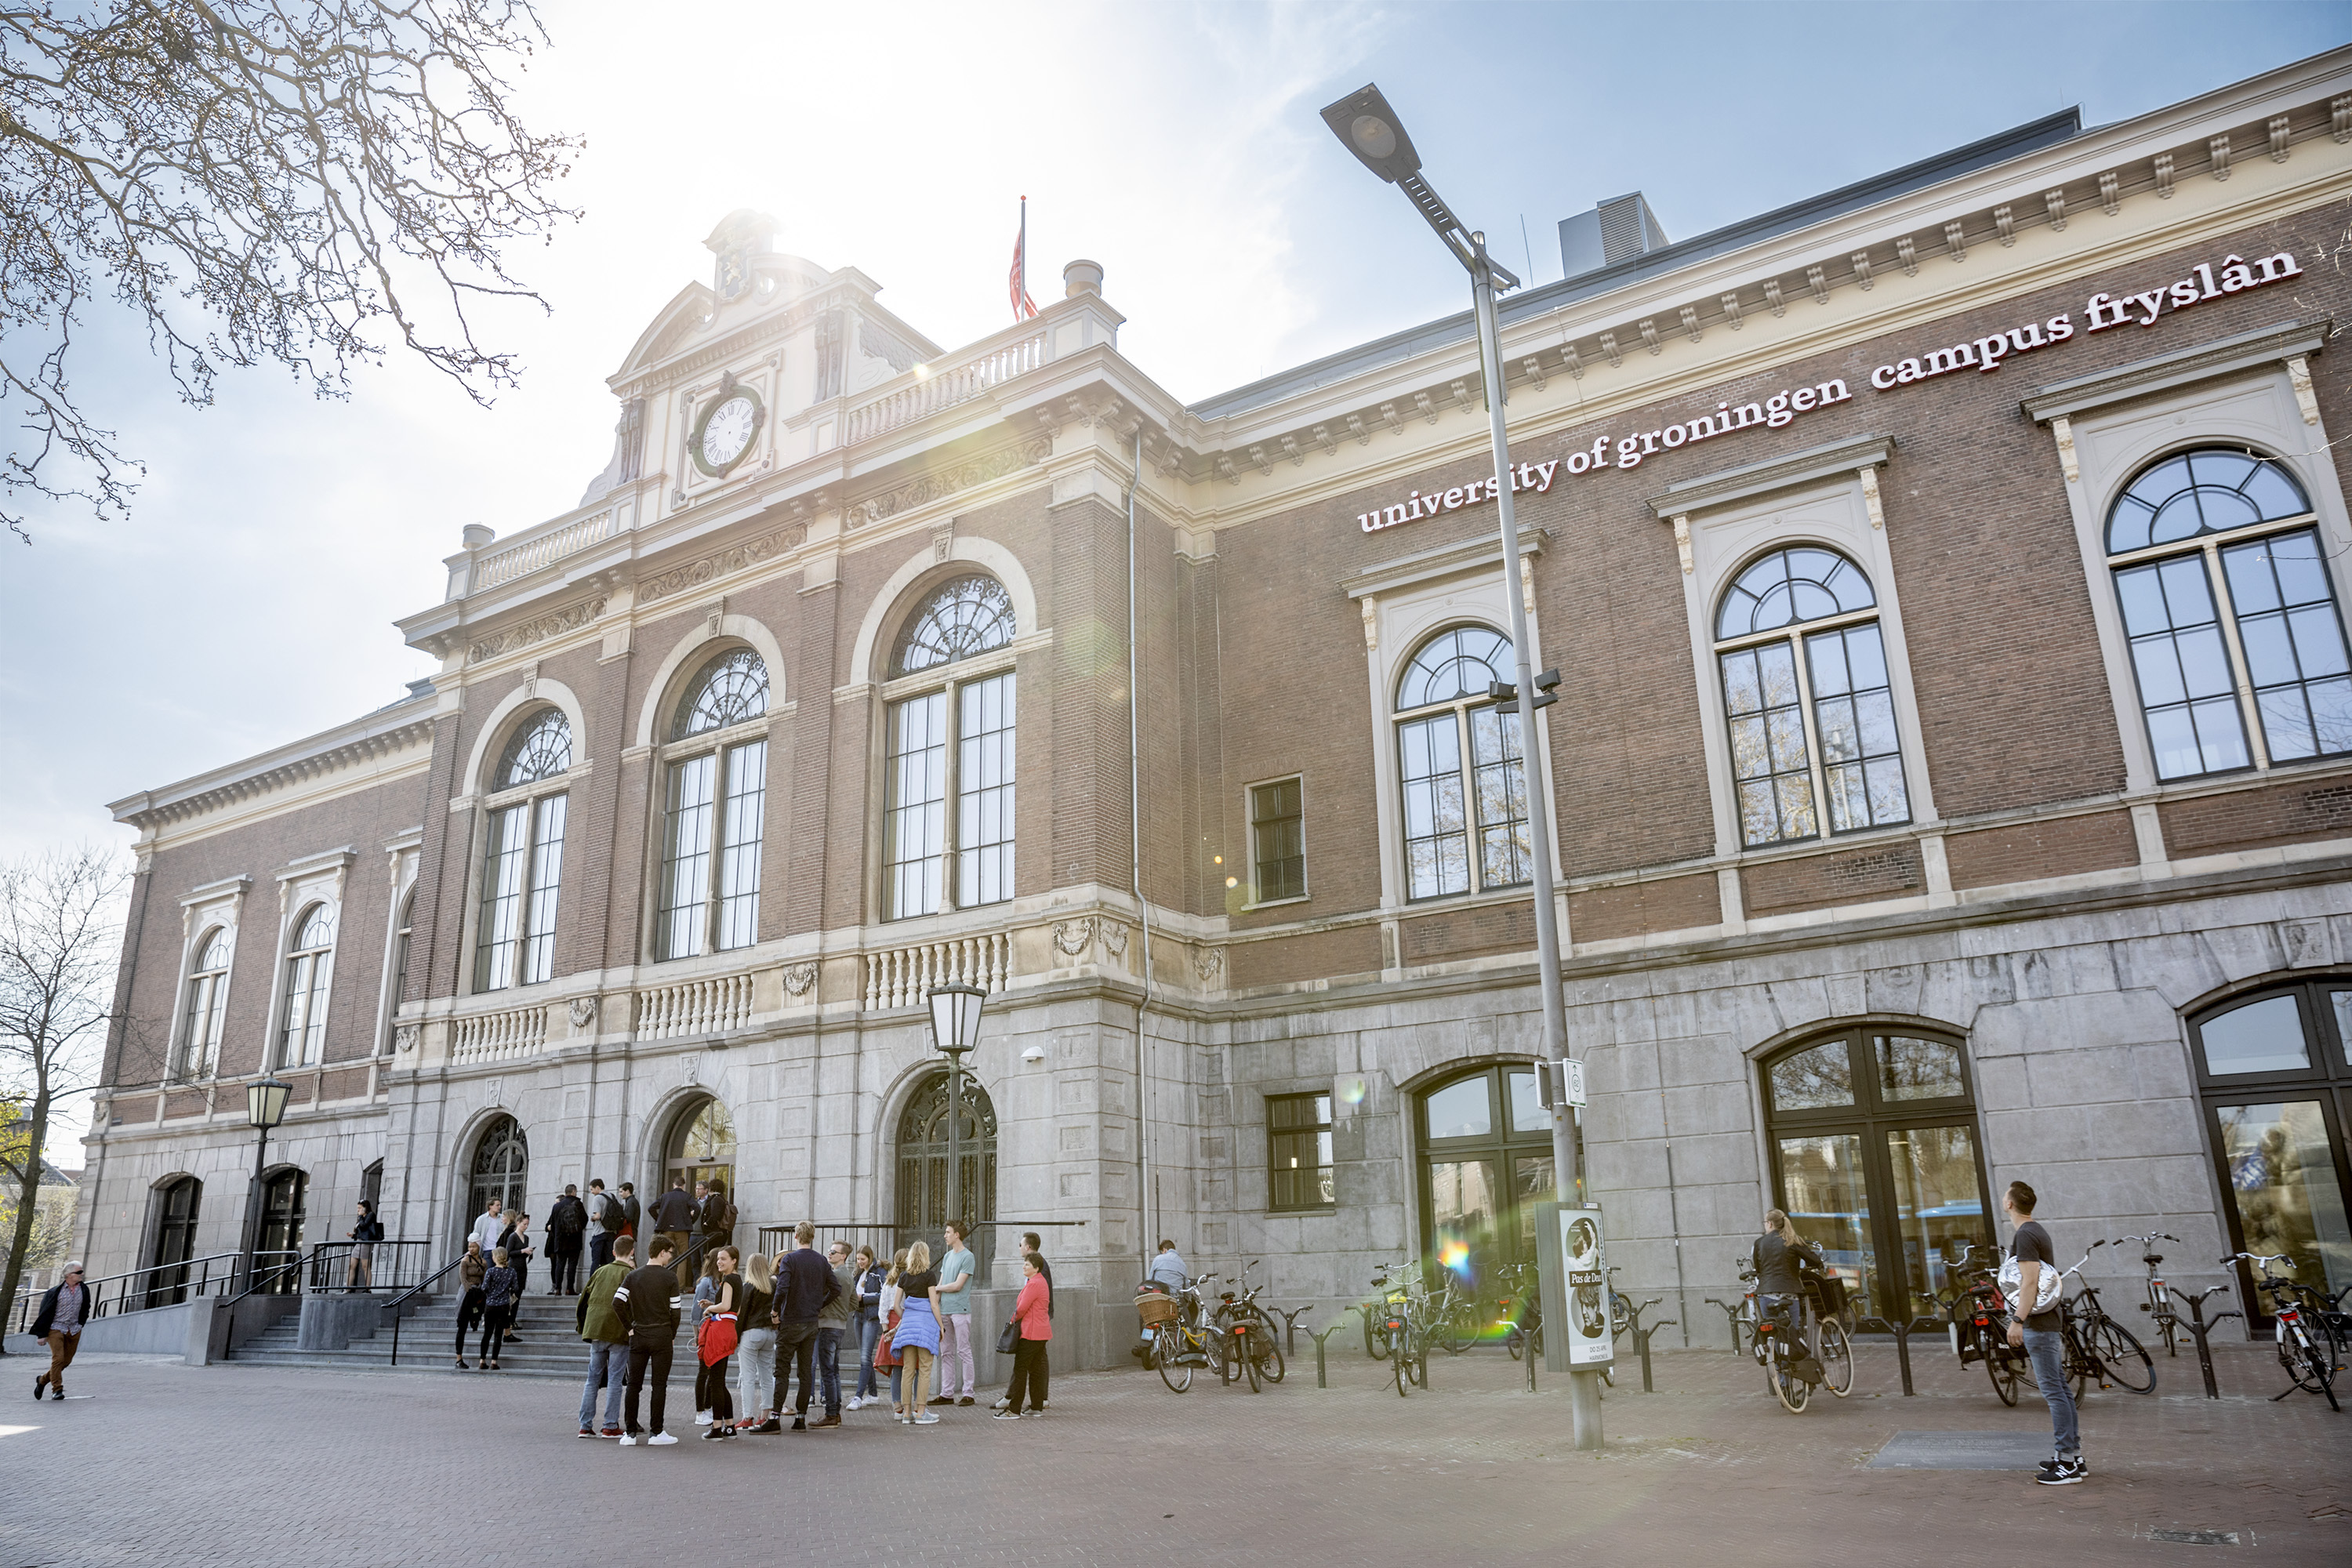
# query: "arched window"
{"type": "Point", "coordinates": [701, 1146]}
{"type": "Point", "coordinates": [1806, 695]}
{"type": "Point", "coordinates": [950, 766]}
{"type": "Point", "coordinates": [1461, 764]}
{"type": "Point", "coordinates": [923, 1165]}
{"type": "Point", "coordinates": [2235, 639]}
{"type": "Point", "coordinates": [501, 1170]}
{"type": "Point", "coordinates": [403, 930]}
{"type": "Point", "coordinates": [716, 765]}
{"type": "Point", "coordinates": [1874, 1160]}
{"type": "Point", "coordinates": [176, 1205]}
{"type": "Point", "coordinates": [1486, 1162]}
{"type": "Point", "coordinates": [200, 1034]}
{"type": "Point", "coordinates": [302, 1036]}
{"type": "Point", "coordinates": [523, 866]}
{"type": "Point", "coordinates": [285, 1197]}
{"type": "Point", "coordinates": [2274, 1068]}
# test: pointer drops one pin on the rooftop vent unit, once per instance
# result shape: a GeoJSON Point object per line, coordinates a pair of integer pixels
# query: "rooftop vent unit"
{"type": "Point", "coordinates": [1619, 229]}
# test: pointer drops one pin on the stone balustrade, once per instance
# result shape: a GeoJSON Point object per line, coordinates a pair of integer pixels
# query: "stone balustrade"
{"type": "Point", "coordinates": [928, 388]}
{"type": "Point", "coordinates": [538, 550]}
{"type": "Point", "coordinates": [706, 1006]}
{"type": "Point", "coordinates": [493, 1036]}
{"type": "Point", "coordinates": [899, 976]}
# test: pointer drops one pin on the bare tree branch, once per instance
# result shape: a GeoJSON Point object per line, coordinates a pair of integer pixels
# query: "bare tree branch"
{"type": "Point", "coordinates": [256, 180]}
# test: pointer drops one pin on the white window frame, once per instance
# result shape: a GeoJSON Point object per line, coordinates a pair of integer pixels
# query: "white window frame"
{"type": "Point", "coordinates": [722, 746]}
{"type": "Point", "coordinates": [949, 680]}
{"type": "Point", "coordinates": [2256, 406]}
{"type": "Point", "coordinates": [493, 805]}
{"type": "Point", "coordinates": [1402, 602]}
{"type": "Point", "coordinates": [307, 883]}
{"type": "Point", "coordinates": [1835, 511]}
{"type": "Point", "coordinates": [216, 906]}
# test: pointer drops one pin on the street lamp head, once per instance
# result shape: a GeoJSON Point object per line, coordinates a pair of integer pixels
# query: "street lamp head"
{"type": "Point", "coordinates": [1368, 127]}
{"type": "Point", "coordinates": [265, 1102]}
{"type": "Point", "coordinates": [955, 1017]}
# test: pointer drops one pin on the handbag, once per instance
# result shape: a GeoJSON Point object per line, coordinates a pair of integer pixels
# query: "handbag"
{"type": "Point", "coordinates": [885, 1355]}
{"type": "Point", "coordinates": [1008, 1338]}
{"type": "Point", "coordinates": [714, 1339]}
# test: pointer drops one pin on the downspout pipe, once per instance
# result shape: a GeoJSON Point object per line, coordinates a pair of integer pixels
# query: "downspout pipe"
{"type": "Point", "coordinates": [1135, 868]}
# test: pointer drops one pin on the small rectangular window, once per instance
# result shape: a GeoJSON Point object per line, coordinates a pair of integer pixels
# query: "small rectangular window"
{"type": "Point", "coordinates": [1278, 840]}
{"type": "Point", "coordinates": [1298, 1151]}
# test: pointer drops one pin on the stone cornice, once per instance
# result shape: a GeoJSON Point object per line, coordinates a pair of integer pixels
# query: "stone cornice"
{"type": "Point", "coordinates": [2202, 361]}
{"type": "Point", "coordinates": [401, 727]}
{"type": "Point", "coordinates": [1444, 561]}
{"type": "Point", "coordinates": [1837, 461]}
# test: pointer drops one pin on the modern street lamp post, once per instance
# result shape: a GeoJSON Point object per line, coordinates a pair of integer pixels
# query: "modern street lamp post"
{"type": "Point", "coordinates": [955, 1029]}
{"type": "Point", "coordinates": [265, 1108]}
{"type": "Point", "coordinates": [1369, 129]}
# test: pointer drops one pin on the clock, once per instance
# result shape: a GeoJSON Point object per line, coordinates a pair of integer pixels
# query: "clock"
{"type": "Point", "coordinates": [726, 432]}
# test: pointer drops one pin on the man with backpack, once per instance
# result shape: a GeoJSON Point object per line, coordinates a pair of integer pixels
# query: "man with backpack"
{"type": "Point", "coordinates": [716, 1218]}
{"type": "Point", "coordinates": [567, 1228]}
{"type": "Point", "coordinates": [2037, 1333]}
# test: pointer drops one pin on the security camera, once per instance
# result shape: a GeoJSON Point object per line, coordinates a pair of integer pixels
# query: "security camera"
{"type": "Point", "coordinates": [1033, 1054]}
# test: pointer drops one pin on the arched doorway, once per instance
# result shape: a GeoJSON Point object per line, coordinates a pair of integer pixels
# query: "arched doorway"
{"type": "Point", "coordinates": [923, 1166]}
{"type": "Point", "coordinates": [501, 1167]}
{"type": "Point", "coordinates": [283, 1197]}
{"type": "Point", "coordinates": [1485, 1162]}
{"type": "Point", "coordinates": [1876, 1160]}
{"type": "Point", "coordinates": [701, 1147]}
{"type": "Point", "coordinates": [176, 1203]}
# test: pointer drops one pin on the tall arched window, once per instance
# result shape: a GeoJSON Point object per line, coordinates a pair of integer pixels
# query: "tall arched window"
{"type": "Point", "coordinates": [501, 1170]}
{"type": "Point", "coordinates": [302, 1036]}
{"type": "Point", "coordinates": [2275, 1071]}
{"type": "Point", "coordinates": [522, 868]}
{"type": "Point", "coordinates": [1485, 1162]}
{"type": "Point", "coordinates": [1461, 764]}
{"type": "Point", "coordinates": [1874, 1159]}
{"type": "Point", "coordinates": [200, 1033]}
{"type": "Point", "coordinates": [1806, 695]}
{"type": "Point", "coordinates": [950, 767]}
{"type": "Point", "coordinates": [400, 933]}
{"type": "Point", "coordinates": [923, 1164]}
{"type": "Point", "coordinates": [716, 765]}
{"type": "Point", "coordinates": [2235, 639]}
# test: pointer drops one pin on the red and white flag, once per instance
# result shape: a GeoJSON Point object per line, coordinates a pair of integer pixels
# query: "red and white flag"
{"type": "Point", "coordinates": [1017, 280]}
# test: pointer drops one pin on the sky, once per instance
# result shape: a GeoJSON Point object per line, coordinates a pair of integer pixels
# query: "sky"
{"type": "Point", "coordinates": [248, 599]}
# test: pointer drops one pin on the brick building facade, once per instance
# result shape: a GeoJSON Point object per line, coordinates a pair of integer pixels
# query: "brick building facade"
{"type": "Point", "coordinates": [1895, 861]}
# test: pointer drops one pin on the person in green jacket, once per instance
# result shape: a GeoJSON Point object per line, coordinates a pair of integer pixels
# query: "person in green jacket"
{"type": "Point", "coordinates": [608, 1340]}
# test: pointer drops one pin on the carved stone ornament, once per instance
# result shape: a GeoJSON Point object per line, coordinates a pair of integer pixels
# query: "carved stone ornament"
{"type": "Point", "coordinates": [1113, 936]}
{"type": "Point", "coordinates": [404, 1038]}
{"type": "Point", "coordinates": [694, 573]}
{"type": "Point", "coordinates": [547, 625]}
{"type": "Point", "coordinates": [800, 977]}
{"type": "Point", "coordinates": [584, 1014]}
{"type": "Point", "coordinates": [1071, 937]}
{"type": "Point", "coordinates": [1209, 962]}
{"type": "Point", "coordinates": [948, 481]}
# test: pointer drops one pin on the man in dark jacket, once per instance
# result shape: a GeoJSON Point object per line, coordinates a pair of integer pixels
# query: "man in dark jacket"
{"type": "Point", "coordinates": [716, 1219]}
{"type": "Point", "coordinates": [672, 1219]}
{"type": "Point", "coordinates": [604, 1223]}
{"type": "Point", "coordinates": [567, 1228]}
{"type": "Point", "coordinates": [805, 1287]}
{"type": "Point", "coordinates": [649, 1306]}
{"type": "Point", "coordinates": [59, 1321]}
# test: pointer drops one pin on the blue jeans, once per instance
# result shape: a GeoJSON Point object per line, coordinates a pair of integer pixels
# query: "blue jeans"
{"type": "Point", "coordinates": [869, 1334]}
{"type": "Point", "coordinates": [2048, 1350]}
{"type": "Point", "coordinates": [828, 1368]}
{"type": "Point", "coordinates": [608, 1368]}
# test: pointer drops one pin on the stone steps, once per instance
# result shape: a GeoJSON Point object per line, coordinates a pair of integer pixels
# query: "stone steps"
{"type": "Point", "coordinates": [551, 1347]}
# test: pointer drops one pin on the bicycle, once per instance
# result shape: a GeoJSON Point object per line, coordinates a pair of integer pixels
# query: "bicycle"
{"type": "Point", "coordinates": [1523, 1330]}
{"type": "Point", "coordinates": [1784, 1357]}
{"type": "Point", "coordinates": [2158, 1305]}
{"type": "Point", "coordinates": [1389, 1293]}
{"type": "Point", "coordinates": [1404, 1330]}
{"type": "Point", "coordinates": [1248, 1334]}
{"type": "Point", "coordinates": [1837, 1351]}
{"type": "Point", "coordinates": [2308, 1367]}
{"type": "Point", "coordinates": [1978, 1309]}
{"type": "Point", "coordinates": [1181, 1343]}
{"type": "Point", "coordinates": [2096, 1345]}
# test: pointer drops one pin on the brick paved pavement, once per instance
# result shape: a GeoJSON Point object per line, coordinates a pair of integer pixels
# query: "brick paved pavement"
{"type": "Point", "coordinates": [170, 1465]}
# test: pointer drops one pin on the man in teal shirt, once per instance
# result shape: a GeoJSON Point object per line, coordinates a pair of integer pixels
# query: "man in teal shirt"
{"type": "Point", "coordinates": [955, 1320]}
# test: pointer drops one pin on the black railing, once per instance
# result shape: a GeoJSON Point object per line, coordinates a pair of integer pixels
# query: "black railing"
{"type": "Point", "coordinates": [886, 1239]}
{"type": "Point", "coordinates": [354, 1267]}
{"type": "Point", "coordinates": [278, 1272]}
{"type": "Point", "coordinates": [158, 1285]}
{"type": "Point", "coordinates": [400, 1305]}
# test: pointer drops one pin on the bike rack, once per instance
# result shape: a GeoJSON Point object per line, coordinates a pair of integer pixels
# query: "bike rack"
{"type": "Point", "coordinates": [1901, 1334]}
{"type": "Point", "coordinates": [1642, 1336]}
{"type": "Point", "coordinates": [2199, 1328]}
{"type": "Point", "coordinates": [1322, 1379]}
{"type": "Point", "coordinates": [1290, 1325]}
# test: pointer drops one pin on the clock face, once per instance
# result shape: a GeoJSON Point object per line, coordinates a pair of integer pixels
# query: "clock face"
{"type": "Point", "coordinates": [728, 431]}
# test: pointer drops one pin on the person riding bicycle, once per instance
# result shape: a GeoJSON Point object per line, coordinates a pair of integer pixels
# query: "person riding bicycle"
{"type": "Point", "coordinates": [1781, 1258]}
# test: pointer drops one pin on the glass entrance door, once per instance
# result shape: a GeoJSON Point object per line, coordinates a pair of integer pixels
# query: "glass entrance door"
{"type": "Point", "coordinates": [175, 1242]}
{"type": "Point", "coordinates": [1875, 1160]}
{"type": "Point", "coordinates": [282, 1202]}
{"type": "Point", "coordinates": [1485, 1162]}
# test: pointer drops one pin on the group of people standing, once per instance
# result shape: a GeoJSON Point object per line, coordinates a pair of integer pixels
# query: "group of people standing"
{"type": "Point", "coordinates": [792, 1313]}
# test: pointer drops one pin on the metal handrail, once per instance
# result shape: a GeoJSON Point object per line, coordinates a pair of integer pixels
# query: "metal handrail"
{"type": "Point", "coordinates": [272, 1282]}
{"type": "Point", "coordinates": [395, 1305]}
{"type": "Point", "coordinates": [388, 1264]}
{"type": "Point", "coordinates": [106, 1303]}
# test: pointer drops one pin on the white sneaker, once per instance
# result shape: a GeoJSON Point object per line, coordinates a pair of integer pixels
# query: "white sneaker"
{"type": "Point", "coordinates": [628, 1441]}
{"type": "Point", "coordinates": [926, 1419]}
{"type": "Point", "coordinates": [702, 1419]}
{"type": "Point", "coordinates": [853, 1402]}
{"type": "Point", "coordinates": [660, 1440]}
{"type": "Point", "coordinates": [1002, 1405]}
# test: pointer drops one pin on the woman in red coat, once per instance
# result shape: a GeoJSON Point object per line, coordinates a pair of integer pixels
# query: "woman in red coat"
{"type": "Point", "coordinates": [1029, 1354]}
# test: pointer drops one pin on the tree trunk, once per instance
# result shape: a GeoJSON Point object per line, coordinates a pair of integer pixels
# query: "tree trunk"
{"type": "Point", "coordinates": [27, 1203]}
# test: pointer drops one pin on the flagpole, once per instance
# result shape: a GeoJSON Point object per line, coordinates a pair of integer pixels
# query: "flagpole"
{"type": "Point", "coordinates": [1025, 259]}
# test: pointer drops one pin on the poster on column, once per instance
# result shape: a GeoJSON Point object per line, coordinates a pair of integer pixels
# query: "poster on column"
{"type": "Point", "coordinates": [1584, 1272]}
